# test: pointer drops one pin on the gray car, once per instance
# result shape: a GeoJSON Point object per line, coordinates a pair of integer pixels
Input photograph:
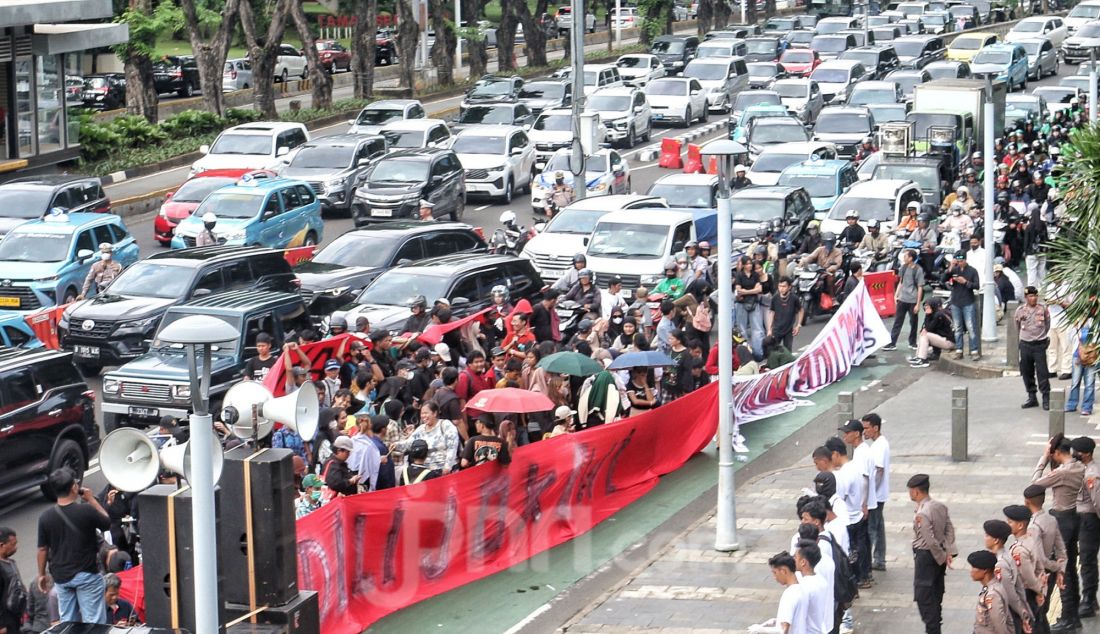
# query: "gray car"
{"type": "Point", "coordinates": [334, 166]}
{"type": "Point", "coordinates": [1042, 57]}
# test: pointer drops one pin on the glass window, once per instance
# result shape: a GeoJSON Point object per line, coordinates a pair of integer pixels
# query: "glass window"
{"type": "Point", "coordinates": [50, 99]}
{"type": "Point", "coordinates": [118, 234]}
{"type": "Point", "coordinates": [50, 375]}
{"type": "Point", "coordinates": [237, 275]}
{"type": "Point", "coordinates": [103, 234]}
{"type": "Point", "coordinates": [272, 206]}
{"type": "Point", "coordinates": [20, 390]}
{"type": "Point", "coordinates": [24, 105]}
{"type": "Point", "coordinates": [291, 200]}
{"type": "Point", "coordinates": [211, 281]}
{"type": "Point", "coordinates": [16, 338]}
{"type": "Point", "coordinates": [86, 241]}
{"type": "Point", "coordinates": [409, 251]}
{"type": "Point", "coordinates": [305, 194]}
{"type": "Point", "coordinates": [74, 86]}
{"type": "Point", "coordinates": [256, 325]}
{"type": "Point", "coordinates": [62, 200]}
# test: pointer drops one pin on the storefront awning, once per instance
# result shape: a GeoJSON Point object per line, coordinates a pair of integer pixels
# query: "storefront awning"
{"type": "Point", "coordinates": [53, 39]}
{"type": "Point", "coordinates": [28, 12]}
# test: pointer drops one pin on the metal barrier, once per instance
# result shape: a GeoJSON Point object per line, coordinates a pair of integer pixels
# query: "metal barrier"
{"type": "Point", "coordinates": [960, 423]}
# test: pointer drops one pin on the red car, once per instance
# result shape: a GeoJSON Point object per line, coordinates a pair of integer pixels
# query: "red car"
{"type": "Point", "coordinates": [334, 56]}
{"type": "Point", "coordinates": [799, 61]}
{"type": "Point", "coordinates": [182, 203]}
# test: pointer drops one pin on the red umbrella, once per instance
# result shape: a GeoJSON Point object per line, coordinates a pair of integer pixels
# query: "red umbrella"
{"type": "Point", "coordinates": [510, 400]}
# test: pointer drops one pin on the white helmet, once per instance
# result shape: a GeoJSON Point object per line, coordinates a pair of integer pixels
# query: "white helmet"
{"type": "Point", "coordinates": [209, 217]}
{"type": "Point", "coordinates": [508, 217]}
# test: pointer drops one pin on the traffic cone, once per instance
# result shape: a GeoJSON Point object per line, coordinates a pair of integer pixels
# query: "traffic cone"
{"type": "Point", "coordinates": [694, 164]}
{"type": "Point", "coordinates": [712, 165]}
{"type": "Point", "coordinates": [670, 154]}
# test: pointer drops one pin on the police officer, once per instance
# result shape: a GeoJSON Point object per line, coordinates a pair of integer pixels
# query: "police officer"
{"type": "Point", "coordinates": [1043, 528]}
{"type": "Point", "coordinates": [1088, 503]}
{"type": "Point", "coordinates": [1064, 481]}
{"type": "Point", "coordinates": [561, 194]}
{"type": "Point", "coordinates": [1026, 560]}
{"type": "Point", "coordinates": [1008, 574]}
{"type": "Point", "coordinates": [102, 272]}
{"type": "Point", "coordinates": [992, 615]}
{"type": "Point", "coordinates": [740, 181]}
{"type": "Point", "coordinates": [1033, 323]}
{"type": "Point", "coordinates": [933, 550]}
{"type": "Point", "coordinates": [206, 237]}
{"type": "Point", "coordinates": [425, 212]}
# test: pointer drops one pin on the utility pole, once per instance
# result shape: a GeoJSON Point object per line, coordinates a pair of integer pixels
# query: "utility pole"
{"type": "Point", "coordinates": [576, 155]}
{"type": "Point", "coordinates": [989, 301]}
{"type": "Point", "coordinates": [458, 35]}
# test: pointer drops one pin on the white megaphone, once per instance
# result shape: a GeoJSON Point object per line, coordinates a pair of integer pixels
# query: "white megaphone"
{"type": "Point", "coordinates": [177, 459]}
{"type": "Point", "coordinates": [131, 463]}
{"type": "Point", "coordinates": [248, 407]}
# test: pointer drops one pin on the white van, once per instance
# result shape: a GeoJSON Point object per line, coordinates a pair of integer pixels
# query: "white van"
{"type": "Point", "coordinates": [635, 246]}
{"type": "Point", "coordinates": [722, 48]}
{"type": "Point", "coordinates": [722, 78]}
{"type": "Point", "coordinates": [597, 76]}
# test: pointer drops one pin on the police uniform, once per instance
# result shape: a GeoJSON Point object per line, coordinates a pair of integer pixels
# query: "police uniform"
{"type": "Point", "coordinates": [991, 614]}
{"type": "Point", "coordinates": [933, 543]}
{"type": "Point", "coordinates": [102, 273]}
{"type": "Point", "coordinates": [1088, 503]}
{"type": "Point", "coordinates": [1007, 574]}
{"type": "Point", "coordinates": [1043, 528]}
{"type": "Point", "coordinates": [1065, 484]}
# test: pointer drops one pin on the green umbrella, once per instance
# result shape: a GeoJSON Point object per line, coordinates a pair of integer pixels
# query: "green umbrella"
{"type": "Point", "coordinates": [572, 363]}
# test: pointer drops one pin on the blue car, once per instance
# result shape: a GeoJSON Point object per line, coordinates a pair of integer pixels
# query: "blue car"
{"type": "Point", "coordinates": [824, 181]}
{"type": "Point", "coordinates": [15, 333]}
{"type": "Point", "coordinates": [277, 213]}
{"type": "Point", "coordinates": [1007, 62]}
{"type": "Point", "coordinates": [740, 127]}
{"type": "Point", "coordinates": [44, 262]}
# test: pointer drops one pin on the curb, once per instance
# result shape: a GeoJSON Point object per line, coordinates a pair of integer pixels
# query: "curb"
{"type": "Point", "coordinates": [971, 370]}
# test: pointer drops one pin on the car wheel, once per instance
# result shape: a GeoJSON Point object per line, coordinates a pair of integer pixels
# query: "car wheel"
{"type": "Point", "coordinates": [530, 180]}
{"type": "Point", "coordinates": [285, 76]}
{"type": "Point", "coordinates": [704, 115]}
{"type": "Point", "coordinates": [69, 296]}
{"type": "Point", "coordinates": [89, 370]}
{"type": "Point", "coordinates": [460, 208]}
{"type": "Point", "coordinates": [506, 198]}
{"type": "Point", "coordinates": [631, 140]}
{"type": "Point", "coordinates": [648, 132]}
{"type": "Point", "coordinates": [66, 454]}
{"type": "Point", "coordinates": [688, 117]}
{"type": "Point", "coordinates": [187, 91]}
{"type": "Point", "coordinates": [311, 239]}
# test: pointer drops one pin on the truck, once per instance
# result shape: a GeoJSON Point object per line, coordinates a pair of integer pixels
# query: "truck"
{"type": "Point", "coordinates": [964, 98]}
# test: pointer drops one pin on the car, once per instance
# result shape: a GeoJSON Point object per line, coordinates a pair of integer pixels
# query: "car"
{"type": "Point", "coordinates": [879, 60]}
{"type": "Point", "coordinates": [1042, 58]}
{"type": "Point", "coordinates": [117, 325]}
{"type": "Point", "coordinates": [29, 197]}
{"type": "Point", "coordinates": [882, 19]}
{"type": "Point", "coordinates": [236, 74]}
{"type": "Point", "coordinates": [1082, 14]}
{"type": "Point", "coordinates": [494, 89]}
{"type": "Point", "coordinates": [509, 114]}
{"type": "Point", "coordinates": [48, 418]}
{"type": "Point", "coordinates": [290, 62]}
{"type": "Point", "coordinates": [625, 112]}
{"type": "Point", "coordinates": [674, 51]}
{"type": "Point", "coordinates": [721, 48]}
{"type": "Point", "coordinates": [1076, 48]}
{"type": "Point", "coordinates": [1020, 106]}
{"type": "Point", "coordinates": [738, 126]}
{"type": "Point", "coordinates": [721, 78]}
{"type": "Point", "coordinates": [866, 93]}
{"type": "Point", "coordinates": [104, 91]}
{"type": "Point", "coordinates": [697, 193]}
{"type": "Point", "coordinates": [624, 18]}
{"type": "Point", "coordinates": [546, 94]}
{"type": "Point", "coordinates": [770, 164]}
{"type": "Point", "coordinates": [807, 20]}
{"type": "Point", "coordinates": [333, 166]}
{"type": "Point", "coordinates": [938, 22]}
{"type": "Point", "coordinates": [912, 9]}
{"type": "Point", "coordinates": [802, 97]}
{"type": "Point", "coordinates": [553, 130]}
{"type": "Point", "coordinates": [782, 24]}
{"type": "Point", "coordinates": [762, 74]}
{"type": "Point", "coordinates": [16, 333]}
{"type": "Point", "coordinates": [800, 62]}
{"type": "Point", "coordinates": [598, 76]}
{"type": "Point", "coordinates": [862, 37]}
{"type": "Point", "coordinates": [182, 202]}
{"type": "Point", "coordinates": [464, 279]}
{"type": "Point", "coordinates": [753, 205]}
{"type": "Point", "coordinates": [889, 112]}
{"type": "Point", "coordinates": [1078, 82]}
{"type": "Point", "coordinates": [416, 133]}
{"type": "Point", "coordinates": [1087, 68]}
{"type": "Point", "coordinates": [606, 173]}
{"type": "Point", "coordinates": [1050, 27]}
{"type": "Point", "coordinates": [878, 199]}
{"type": "Point", "coordinates": [914, 25]}
{"type": "Point", "coordinates": [333, 55]}
{"type": "Point", "coordinates": [931, 173]}
{"type": "Point", "coordinates": [749, 98]}
{"type": "Point", "coordinates": [886, 34]}
{"type": "Point", "coordinates": [278, 213]}
{"type": "Point", "coordinates": [966, 16]}
{"type": "Point", "coordinates": [498, 160]}
{"type": "Point", "coordinates": [766, 132]}
{"type": "Point", "coordinates": [735, 33]}
{"type": "Point", "coordinates": [565, 21]}
{"type": "Point", "coordinates": [918, 51]}
{"type": "Point", "coordinates": [638, 69]}
{"type": "Point", "coordinates": [157, 383]}
{"type": "Point", "coordinates": [74, 87]}
{"type": "Point", "coordinates": [831, 46]}
{"type": "Point", "coordinates": [836, 24]}
{"type": "Point", "coordinates": [966, 45]}
{"type": "Point", "coordinates": [824, 180]}
{"type": "Point", "coordinates": [764, 49]}
{"type": "Point", "coordinates": [394, 188]}
{"type": "Point", "coordinates": [837, 77]}
{"type": "Point", "coordinates": [948, 69]}
{"type": "Point", "coordinates": [1056, 97]}
{"type": "Point", "coordinates": [336, 275]}
{"type": "Point", "coordinates": [44, 262]}
{"type": "Point", "coordinates": [176, 73]}
{"type": "Point", "coordinates": [845, 126]}
{"type": "Point", "coordinates": [373, 117]}
{"type": "Point", "coordinates": [251, 146]}
{"type": "Point", "coordinates": [677, 99]}
{"type": "Point", "coordinates": [1007, 62]}
{"type": "Point", "coordinates": [908, 78]}
{"type": "Point", "coordinates": [800, 39]}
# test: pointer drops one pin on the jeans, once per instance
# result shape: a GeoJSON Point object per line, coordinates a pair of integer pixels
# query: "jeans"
{"type": "Point", "coordinates": [80, 599]}
{"type": "Point", "coordinates": [1084, 380]}
{"type": "Point", "coordinates": [966, 322]}
{"type": "Point", "coordinates": [751, 324]}
{"type": "Point", "coordinates": [861, 546]}
{"type": "Point", "coordinates": [876, 527]}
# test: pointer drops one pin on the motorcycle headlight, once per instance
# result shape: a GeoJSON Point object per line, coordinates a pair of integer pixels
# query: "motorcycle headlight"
{"type": "Point", "coordinates": [181, 391]}
{"type": "Point", "coordinates": [110, 386]}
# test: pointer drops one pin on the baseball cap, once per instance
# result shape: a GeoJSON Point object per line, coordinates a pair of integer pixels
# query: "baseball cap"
{"type": "Point", "coordinates": [444, 351]}
{"type": "Point", "coordinates": [311, 481]}
{"type": "Point", "coordinates": [332, 364]}
{"type": "Point", "coordinates": [852, 425]}
{"type": "Point", "coordinates": [418, 448]}
{"type": "Point", "coordinates": [563, 412]}
{"type": "Point", "coordinates": [343, 442]}
{"type": "Point", "coordinates": [998, 267]}
{"type": "Point", "coordinates": [497, 352]}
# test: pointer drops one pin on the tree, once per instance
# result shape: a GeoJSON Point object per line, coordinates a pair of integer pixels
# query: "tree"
{"type": "Point", "coordinates": [263, 49]}
{"type": "Point", "coordinates": [506, 37]}
{"type": "Point", "coordinates": [210, 46]}
{"type": "Point", "coordinates": [769, 8]}
{"type": "Point", "coordinates": [363, 43]}
{"type": "Point", "coordinates": [408, 32]}
{"type": "Point", "coordinates": [475, 39]}
{"type": "Point", "coordinates": [146, 24]}
{"type": "Point", "coordinates": [319, 81]}
{"type": "Point", "coordinates": [443, 49]}
{"type": "Point", "coordinates": [704, 15]}
{"type": "Point", "coordinates": [533, 33]}
{"type": "Point", "coordinates": [652, 23]}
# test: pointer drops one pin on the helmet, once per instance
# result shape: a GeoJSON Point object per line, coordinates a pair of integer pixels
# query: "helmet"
{"type": "Point", "coordinates": [338, 322]}
{"type": "Point", "coordinates": [873, 223]}
{"type": "Point", "coordinates": [762, 229]}
{"type": "Point", "coordinates": [1037, 175]}
{"type": "Point", "coordinates": [671, 266]}
{"type": "Point", "coordinates": [585, 273]}
{"type": "Point", "coordinates": [977, 156]}
{"type": "Point", "coordinates": [913, 205]}
{"type": "Point", "coordinates": [508, 217]}
{"type": "Point", "coordinates": [579, 258]}
{"type": "Point", "coordinates": [760, 250]}
{"type": "Point", "coordinates": [691, 244]}
{"type": "Point", "coordinates": [970, 172]}
{"type": "Point", "coordinates": [704, 245]}
{"type": "Point", "coordinates": [1038, 145]}
{"type": "Point", "coordinates": [775, 225]}
{"type": "Point", "coordinates": [419, 300]}
{"type": "Point", "coordinates": [956, 208]}
{"type": "Point", "coordinates": [828, 236]}
{"type": "Point", "coordinates": [867, 140]}
{"type": "Point", "coordinates": [1002, 197]}
{"type": "Point", "coordinates": [1016, 183]}
{"type": "Point", "coordinates": [209, 217]}
{"type": "Point", "coordinates": [852, 213]}
{"type": "Point", "coordinates": [962, 190]}
{"type": "Point", "coordinates": [499, 289]}
{"type": "Point", "coordinates": [739, 169]}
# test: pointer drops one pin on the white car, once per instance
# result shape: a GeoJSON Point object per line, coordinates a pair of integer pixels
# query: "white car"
{"type": "Point", "coordinates": [639, 69]}
{"type": "Point", "coordinates": [606, 173]}
{"type": "Point", "coordinates": [801, 96]}
{"type": "Point", "coordinates": [1076, 48]}
{"type": "Point", "coordinates": [374, 116]}
{"type": "Point", "coordinates": [680, 99]}
{"type": "Point", "coordinates": [625, 112]}
{"type": "Point", "coordinates": [497, 160]}
{"type": "Point", "coordinates": [1082, 14]}
{"type": "Point", "coordinates": [772, 161]}
{"type": "Point", "coordinates": [880, 199]}
{"type": "Point", "coordinates": [236, 75]}
{"type": "Point", "coordinates": [1048, 26]}
{"type": "Point", "coordinates": [600, 76]}
{"type": "Point", "coordinates": [251, 146]}
{"type": "Point", "coordinates": [624, 18]}
{"type": "Point", "coordinates": [687, 191]}
{"type": "Point", "coordinates": [416, 133]}
{"type": "Point", "coordinates": [553, 130]}
{"type": "Point", "coordinates": [721, 78]}
{"type": "Point", "coordinates": [565, 21]}
{"type": "Point", "coordinates": [290, 63]}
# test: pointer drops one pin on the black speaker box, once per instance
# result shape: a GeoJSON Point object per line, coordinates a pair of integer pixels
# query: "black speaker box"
{"type": "Point", "coordinates": [153, 527]}
{"type": "Point", "coordinates": [301, 615]}
{"type": "Point", "coordinates": [274, 541]}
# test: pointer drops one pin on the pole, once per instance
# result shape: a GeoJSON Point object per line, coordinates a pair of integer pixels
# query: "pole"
{"type": "Point", "coordinates": [202, 484]}
{"type": "Point", "coordinates": [458, 37]}
{"type": "Point", "coordinates": [989, 301]}
{"type": "Point", "coordinates": [618, 24]}
{"type": "Point", "coordinates": [576, 162]}
{"type": "Point", "coordinates": [1092, 85]}
{"type": "Point", "coordinates": [422, 17]}
{"type": "Point", "coordinates": [744, 12]}
{"type": "Point", "coordinates": [725, 537]}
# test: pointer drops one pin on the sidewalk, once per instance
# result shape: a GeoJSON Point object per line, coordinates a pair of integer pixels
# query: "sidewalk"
{"type": "Point", "coordinates": [690, 587]}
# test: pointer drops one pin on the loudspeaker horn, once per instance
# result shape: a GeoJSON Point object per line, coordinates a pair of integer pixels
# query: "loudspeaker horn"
{"type": "Point", "coordinates": [299, 411]}
{"type": "Point", "coordinates": [250, 406]}
{"type": "Point", "coordinates": [129, 460]}
{"type": "Point", "coordinates": [177, 459]}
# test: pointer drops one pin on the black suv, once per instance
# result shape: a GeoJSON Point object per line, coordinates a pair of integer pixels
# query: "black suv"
{"type": "Point", "coordinates": [465, 279]}
{"type": "Point", "coordinates": [879, 59]}
{"type": "Point", "coordinates": [47, 418]}
{"type": "Point", "coordinates": [394, 187]}
{"type": "Point", "coordinates": [31, 197]}
{"type": "Point", "coordinates": [674, 51]}
{"type": "Point", "coordinates": [157, 383]}
{"type": "Point", "coordinates": [106, 91]}
{"type": "Point", "coordinates": [340, 271]}
{"type": "Point", "coordinates": [117, 324]}
{"type": "Point", "coordinates": [178, 74]}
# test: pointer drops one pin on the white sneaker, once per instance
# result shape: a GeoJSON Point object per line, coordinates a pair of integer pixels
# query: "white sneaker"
{"type": "Point", "coordinates": [846, 624]}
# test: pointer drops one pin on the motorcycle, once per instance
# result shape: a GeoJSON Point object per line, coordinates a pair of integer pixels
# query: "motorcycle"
{"type": "Point", "coordinates": [811, 283]}
{"type": "Point", "coordinates": [570, 314]}
{"type": "Point", "coordinates": [510, 239]}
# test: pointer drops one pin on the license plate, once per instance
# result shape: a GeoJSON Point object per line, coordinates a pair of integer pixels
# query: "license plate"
{"type": "Point", "coordinates": [145, 412]}
{"type": "Point", "coordinates": [383, 213]}
{"type": "Point", "coordinates": [9, 302]}
{"type": "Point", "coordinates": [658, 116]}
{"type": "Point", "coordinates": [87, 352]}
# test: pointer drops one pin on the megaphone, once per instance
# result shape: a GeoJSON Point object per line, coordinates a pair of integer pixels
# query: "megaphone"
{"type": "Point", "coordinates": [249, 407]}
{"type": "Point", "coordinates": [131, 462]}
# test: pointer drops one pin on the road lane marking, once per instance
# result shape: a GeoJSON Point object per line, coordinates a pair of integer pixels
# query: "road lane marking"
{"type": "Point", "coordinates": [482, 208]}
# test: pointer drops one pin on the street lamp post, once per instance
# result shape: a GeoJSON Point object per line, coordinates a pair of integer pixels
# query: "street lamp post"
{"type": "Point", "coordinates": [989, 301]}
{"type": "Point", "coordinates": [458, 37]}
{"type": "Point", "coordinates": [197, 333]}
{"type": "Point", "coordinates": [577, 151]}
{"type": "Point", "coordinates": [1092, 85]}
{"type": "Point", "coordinates": [725, 538]}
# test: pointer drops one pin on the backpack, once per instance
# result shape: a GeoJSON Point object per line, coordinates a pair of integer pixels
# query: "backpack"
{"type": "Point", "coordinates": [844, 581]}
{"type": "Point", "coordinates": [1088, 354]}
{"type": "Point", "coordinates": [15, 594]}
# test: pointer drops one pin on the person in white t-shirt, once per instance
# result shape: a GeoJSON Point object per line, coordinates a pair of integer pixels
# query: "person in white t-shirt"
{"type": "Point", "coordinates": [880, 452]}
{"type": "Point", "coordinates": [826, 486]}
{"type": "Point", "coordinates": [791, 615]}
{"type": "Point", "coordinates": [819, 608]}
{"type": "Point", "coordinates": [852, 474]}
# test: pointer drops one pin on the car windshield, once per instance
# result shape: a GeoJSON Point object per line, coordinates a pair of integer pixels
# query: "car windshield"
{"type": "Point", "coordinates": [1077, 81]}
{"type": "Point", "coordinates": [842, 123]}
{"type": "Point", "coordinates": [1032, 46]}
{"type": "Point", "coordinates": [196, 189]}
{"type": "Point", "coordinates": [768, 132]}
{"type": "Point", "coordinates": [800, 37]}
{"type": "Point", "coordinates": [1034, 26]}
{"type": "Point", "coordinates": [884, 34]}
{"type": "Point", "coordinates": [149, 279]}
{"type": "Point", "coordinates": [958, 11]}
{"type": "Point", "coordinates": [1089, 30]}
{"type": "Point", "coordinates": [926, 120]}
{"type": "Point", "coordinates": [1054, 94]}
{"type": "Point", "coordinates": [493, 88]}
{"type": "Point", "coordinates": [881, 209]}
{"type": "Point", "coordinates": [379, 116]}
{"type": "Point", "coordinates": [1025, 105]}
{"type": "Point", "coordinates": [775, 162]}
{"type": "Point", "coordinates": [590, 77]}
{"type": "Point", "coordinates": [942, 71]}
{"type": "Point", "coordinates": [829, 44]}
{"type": "Point", "coordinates": [925, 176]}
{"type": "Point", "coordinates": [95, 82]}
{"type": "Point", "coordinates": [861, 96]}
{"type": "Point", "coordinates": [621, 240]}
{"type": "Point", "coordinates": [324, 156]}
{"type": "Point", "coordinates": [747, 209]}
{"type": "Point", "coordinates": [34, 247]}
{"type": "Point", "coordinates": [906, 82]}
{"type": "Point", "coordinates": [699, 196]}
{"type": "Point", "coordinates": [761, 46]}
{"type": "Point", "coordinates": [913, 49]}
{"type": "Point", "coordinates": [763, 70]}
{"type": "Point", "coordinates": [748, 99]}
{"type": "Point", "coordinates": [798, 57]}
{"type": "Point", "coordinates": [791, 90]}
{"type": "Point", "coordinates": [968, 43]}
{"type": "Point", "coordinates": [23, 203]}
{"type": "Point", "coordinates": [593, 164]}
{"type": "Point", "coordinates": [992, 57]}
{"type": "Point", "coordinates": [479, 144]}
{"type": "Point", "coordinates": [609, 103]}
{"type": "Point", "coordinates": [667, 88]}
{"type": "Point", "coordinates": [231, 205]}
{"type": "Point", "coordinates": [357, 249]}
{"type": "Point", "coordinates": [1085, 11]}
{"type": "Point", "coordinates": [706, 72]}
{"type": "Point", "coordinates": [665, 47]}
{"type": "Point", "coordinates": [542, 90]}
{"type": "Point", "coordinates": [399, 172]}
{"type": "Point", "coordinates": [574, 221]}
{"type": "Point", "coordinates": [486, 114]}
{"type": "Point", "coordinates": [554, 123]}
{"type": "Point", "coordinates": [714, 50]}
{"type": "Point", "coordinates": [229, 143]}
{"type": "Point", "coordinates": [396, 287]}
{"type": "Point", "coordinates": [632, 61]}
{"type": "Point", "coordinates": [886, 113]}
{"type": "Point", "coordinates": [867, 58]}
{"type": "Point", "coordinates": [830, 76]}
{"type": "Point", "coordinates": [817, 186]}
{"type": "Point", "coordinates": [933, 19]}
{"type": "Point", "coordinates": [404, 138]}
{"type": "Point", "coordinates": [327, 46]}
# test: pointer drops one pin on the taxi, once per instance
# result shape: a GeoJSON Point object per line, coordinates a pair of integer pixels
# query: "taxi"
{"type": "Point", "coordinates": [44, 262]}
{"type": "Point", "coordinates": [823, 180]}
{"type": "Point", "coordinates": [278, 213]}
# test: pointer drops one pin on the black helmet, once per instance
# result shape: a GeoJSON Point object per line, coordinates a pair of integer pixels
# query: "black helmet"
{"type": "Point", "coordinates": [828, 237]}
{"type": "Point", "coordinates": [924, 218]}
{"type": "Point", "coordinates": [579, 258]}
{"type": "Point", "coordinates": [419, 300]}
{"type": "Point", "coordinates": [1002, 197]}
{"type": "Point", "coordinates": [338, 322]}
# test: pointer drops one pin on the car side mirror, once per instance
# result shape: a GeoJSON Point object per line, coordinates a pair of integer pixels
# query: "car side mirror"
{"type": "Point", "coordinates": [436, 180]}
{"type": "Point", "coordinates": [541, 226]}
{"type": "Point", "coordinates": [168, 196]}
{"type": "Point", "coordinates": [404, 261]}
{"type": "Point", "coordinates": [516, 151]}
{"type": "Point", "coordinates": [351, 121]}
{"type": "Point", "coordinates": [363, 162]}
{"type": "Point", "coordinates": [585, 241]}
{"type": "Point", "coordinates": [201, 292]}
{"type": "Point", "coordinates": [459, 302]}
{"type": "Point", "coordinates": [204, 149]}
{"type": "Point", "coordinates": [282, 151]}
{"type": "Point", "coordinates": [84, 254]}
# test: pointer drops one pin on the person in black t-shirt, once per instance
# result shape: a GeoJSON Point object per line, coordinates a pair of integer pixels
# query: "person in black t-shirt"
{"type": "Point", "coordinates": [785, 318]}
{"type": "Point", "coordinates": [486, 446]}
{"type": "Point", "coordinates": [10, 621]}
{"type": "Point", "coordinates": [640, 391]}
{"type": "Point", "coordinates": [415, 470]}
{"type": "Point", "coordinates": [67, 541]}
{"type": "Point", "coordinates": [256, 368]}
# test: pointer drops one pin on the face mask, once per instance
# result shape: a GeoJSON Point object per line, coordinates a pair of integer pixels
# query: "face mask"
{"type": "Point", "coordinates": [209, 226]}
{"type": "Point", "coordinates": [104, 256]}
{"type": "Point", "coordinates": [315, 496]}
{"type": "Point", "coordinates": [617, 320]}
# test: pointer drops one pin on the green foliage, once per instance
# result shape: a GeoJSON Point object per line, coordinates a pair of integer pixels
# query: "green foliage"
{"type": "Point", "coordinates": [191, 123]}
{"type": "Point", "coordinates": [237, 116]}
{"type": "Point", "coordinates": [97, 140]}
{"type": "Point", "coordinates": [146, 28]}
{"type": "Point", "coordinates": [136, 130]}
{"type": "Point", "coordinates": [128, 158]}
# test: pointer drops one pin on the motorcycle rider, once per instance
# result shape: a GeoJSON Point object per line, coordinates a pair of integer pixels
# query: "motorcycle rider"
{"type": "Point", "coordinates": [561, 194]}
{"type": "Point", "coordinates": [928, 238]}
{"type": "Point", "coordinates": [672, 287]}
{"type": "Point", "coordinates": [206, 237]}
{"type": "Point", "coordinates": [866, 149]}
{"type": "Point", "coordinates": [908, 224]}
{"type": "Point", "coordinates": [853, 233]}
{"type": "Point", "coordinates": [778, 236]}
{"type": "Point", "coordinates": [569, 278]}
{"type": "Point", "coordinates": [875, 240]}
{"type": "Point", "coordinates": [812, 239]}
{"type": "Point", "coordinates": [740, 181]}
{"type": "Point", "coordinates": [959, 222]}
{"type": "Point", "coordinates": [419, 319]}
{"type": "Point", "coordinates": [498, 313]}
{"type": "Point", "coordinates": [1038, 188]}
{"type": "Point", "coordinates": [585, 292]}
{"type": "Point", "coordinates": [827, 256]}
{"type": "Point", "coordinates": [962, 196]}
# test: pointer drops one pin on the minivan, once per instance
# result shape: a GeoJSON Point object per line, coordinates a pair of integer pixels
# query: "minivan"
{"type": "Point", "coordinates": [597, 76]}
{"type": "Point", "coordinates": [722, 78]}
{"type": "Point", "coordinates": [918, 51]}
{"type": "Point", "coordinates": [721, 48]}
{"type": "Point", "coordinates": [394, 188]}
{"type": "Point", "coordinates": [675, 51]}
